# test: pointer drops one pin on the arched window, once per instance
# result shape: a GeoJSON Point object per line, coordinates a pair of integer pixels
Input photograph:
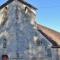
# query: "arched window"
{"type": "Point", "coordinates": [4, 42]}
{"type": "Point", "coordinates": [26, 9]}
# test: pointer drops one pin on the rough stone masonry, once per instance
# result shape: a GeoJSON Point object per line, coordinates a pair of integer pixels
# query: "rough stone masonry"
{"type": "Point", "coordinates": [19, 37]}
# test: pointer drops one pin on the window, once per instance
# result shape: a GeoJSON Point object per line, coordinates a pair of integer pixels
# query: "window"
{"type": "Point", "coordinates": [38, 42]}
{"type": "Point", "coordinates": [4, 43]}
{"type": "Point", "coordinates": [26, 9]}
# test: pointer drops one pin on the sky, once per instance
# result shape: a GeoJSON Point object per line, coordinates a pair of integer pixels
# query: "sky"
{"type": "Point", "coordinates": [48, 13]}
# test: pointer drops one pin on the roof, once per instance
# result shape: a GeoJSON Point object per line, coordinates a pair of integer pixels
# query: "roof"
{"type": "Point", "coordinates": [6, 3]}
{"type": "Point", "coordinates": [22, 1]}
{"type": "Point", "coordinates": [51, 35]}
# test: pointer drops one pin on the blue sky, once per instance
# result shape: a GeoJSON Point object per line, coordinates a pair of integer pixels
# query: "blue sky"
{"type": "Point", "coordinates": [48, 13]}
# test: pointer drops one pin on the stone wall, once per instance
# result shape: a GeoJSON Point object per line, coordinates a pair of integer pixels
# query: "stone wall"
{"type": "Point", "coordinates": [19, 37]}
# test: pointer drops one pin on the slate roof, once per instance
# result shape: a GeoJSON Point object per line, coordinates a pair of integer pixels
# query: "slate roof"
{"type": "Point", "coordinates": [51, 35]}
{"type": "Point", "coordinates": [22, 1]}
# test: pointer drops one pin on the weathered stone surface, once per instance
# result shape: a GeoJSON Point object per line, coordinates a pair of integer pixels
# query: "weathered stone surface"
{"type": "Point", "coordinates": [21, 34]}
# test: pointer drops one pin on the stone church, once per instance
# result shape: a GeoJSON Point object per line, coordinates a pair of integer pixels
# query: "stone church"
{"type": "Point", "coordinates": [21, 38]}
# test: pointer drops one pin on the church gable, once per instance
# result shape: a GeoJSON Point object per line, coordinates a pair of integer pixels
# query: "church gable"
{"type": "Point", "coordinates": [19, 35]}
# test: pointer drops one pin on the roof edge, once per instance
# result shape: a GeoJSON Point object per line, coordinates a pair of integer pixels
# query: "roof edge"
{"type": "Point", "coordinates": [24, 2]}
{"type": "Point", "coordinates": [6, 3]}
{"type": "Point", "coordinates": [55, 47]}
{"type": "Point", "coordinates": [55, 44]}
{"type": "Point", "coordinates": [9, 1]}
